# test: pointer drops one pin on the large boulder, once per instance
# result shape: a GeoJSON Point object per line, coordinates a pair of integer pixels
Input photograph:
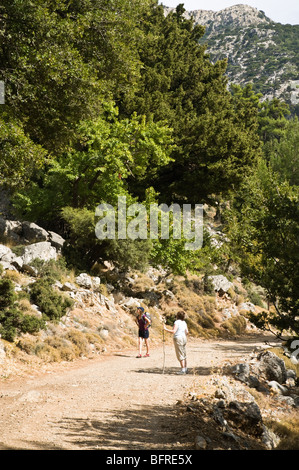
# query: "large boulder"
{"type": "Point", "coordinates": [27, 233]}
{"type": "Point", "coordinates": [41, 250]}
{"type": "Point", "coordinates": [5, 253]}
{"type": "Point", "coordinates": [32, 233]}
{"type": "Point", "coordinates": [84, 280]}
{"type": "Point", "coordinates": [245, 416]}
{"type": "Point", "coordinates": [8, 259]}
{"type": "Point", "coordinates": [11, 231]}
{"type": "Point", "coordinates": [220, 283]}
{"type": "Point", "coordinates": [56, 240]}
{"type": "Point", "coordinates": [271, 367]}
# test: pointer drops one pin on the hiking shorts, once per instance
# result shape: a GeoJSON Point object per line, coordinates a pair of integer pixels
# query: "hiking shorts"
{"type": "Point", "coordinates": [180, 347]}
{"type": "Point", "coordinates": [143, 334]}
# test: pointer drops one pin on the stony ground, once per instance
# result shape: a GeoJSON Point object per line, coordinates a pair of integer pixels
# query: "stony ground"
{"type": "Point", "coordinates": [116, 402]}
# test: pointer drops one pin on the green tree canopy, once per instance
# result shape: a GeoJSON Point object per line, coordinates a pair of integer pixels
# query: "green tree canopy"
{"type": "Point", "coordinates": [263, 228]}
{"type": "Point", "coordinates": [59, 59]}
{"type": "Point", "coordinates": [178, 83]}
{"type": "Point", "coordinates": [108, 151]}
{"type": "Point", "coordinates": [19, 155]}
{"type": "Point", "coordinates": [284, 156]}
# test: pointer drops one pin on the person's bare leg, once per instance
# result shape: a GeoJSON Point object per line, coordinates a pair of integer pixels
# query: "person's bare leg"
{"type": "Point", "coordinates": [183, 363]}
{"type": "Point", "coordinates": [147, 345]}
{"type": "Point", "coordinates": [140, 345]}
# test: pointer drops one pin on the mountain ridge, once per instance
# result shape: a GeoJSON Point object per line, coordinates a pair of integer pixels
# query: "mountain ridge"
{"type": "Point", "coordinates": [258, 50]}
{"type": "Point", "coordinates": [237, 15]}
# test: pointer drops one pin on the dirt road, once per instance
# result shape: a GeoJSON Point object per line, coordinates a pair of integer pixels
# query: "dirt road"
{"type": "Point", "coordinates": [117, 402]}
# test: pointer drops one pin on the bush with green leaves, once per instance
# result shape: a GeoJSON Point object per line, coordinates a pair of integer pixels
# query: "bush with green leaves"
{"type": "Point", "coordinates": [83, 249]}
{"type": "Point", "coordinates": [52, 269]}
{"type": "Point", "coordinates": [52, 304]}
{"type": "Point", "coordinates": [13, 322]}
{"type": "Point", "coordinates": [7, 293]}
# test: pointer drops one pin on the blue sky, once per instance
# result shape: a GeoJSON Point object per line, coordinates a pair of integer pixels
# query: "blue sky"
{"type": "Point", "coordinates": [286, 11]}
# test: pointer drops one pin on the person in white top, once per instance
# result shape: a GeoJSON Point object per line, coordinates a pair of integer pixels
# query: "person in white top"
{"type": "Point", "coordinates": [180, 332]}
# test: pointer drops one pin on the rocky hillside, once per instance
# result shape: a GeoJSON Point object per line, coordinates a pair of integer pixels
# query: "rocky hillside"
{"type": "Point", "coordinates": [54, 313]}
{"type": "Point", "coordinates": [258, 50]}
{"type": "Point", "coordinates": [50, 314]}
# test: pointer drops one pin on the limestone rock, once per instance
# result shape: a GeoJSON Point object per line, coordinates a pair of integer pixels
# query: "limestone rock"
{"type": "Point", "coordinates": [271, 367]}
{"type": "Point", "coordinates": [41, 250]}
{"type": "Point", "coordinates": [2, 352]}
{"type": "Point", "coordinates": [84, 280]}
{"type": "Point", "coordinates": [234, 16]}
{"type": "Point", "coordinates": [5, 253]}
{"type": "Point", "coordinates": [68, 287]}
{"type": "Point", "coordinates": [33, 233]}
{"type": "Point", "coordinates": [27, 233]}
{"type": "Point", "coordinates": [11, 230]}
{"type": "Point", "coordinates": [56, 240]}
{"type": "Point", "coordinates": [246, 416]}
{"type": "Point", "coordinates": [220, 283]}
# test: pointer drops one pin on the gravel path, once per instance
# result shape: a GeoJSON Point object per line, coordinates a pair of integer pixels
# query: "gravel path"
{"type": "Point", "coordinates": [114, 402]}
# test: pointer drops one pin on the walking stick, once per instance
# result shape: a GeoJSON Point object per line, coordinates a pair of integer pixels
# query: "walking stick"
{"type": "Point", "coordinates": [163, 346]}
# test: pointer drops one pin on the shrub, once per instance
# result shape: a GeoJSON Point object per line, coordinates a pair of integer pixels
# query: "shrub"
{"type": "Point", "coordinates": [55, 349]}
{"type": "Point", "coordinates": [255, 298]}
{"type": "Point", "coordinates": [7, 293]}
{"type": "Point", "coordinates": [80, 342]}
{"type": "Point", "coordinates": [13, 276]}
{"type": "Point", "coordinates": [14, 322]}
{"type": "Point", "coordinates": [24, 305]}
{"type": "Point", "coordinates": [235, 325]}
{"type": "Point", "coordinates": [31, 324]}
{"type": "Point", "coordinates": [210, 305]}
{"type": "Point", "coordinates": [208, 285]}
{"type": "Point", "coordinates": [53, 269]}
{"type": "Point", "coordinates": [53, 304]}
{"type": "Point", "coordinates": [205, 320]}
{"type": "Point", "coordinates": [130, 254]}
{"type": "Point", "coordinates": [27, 344]}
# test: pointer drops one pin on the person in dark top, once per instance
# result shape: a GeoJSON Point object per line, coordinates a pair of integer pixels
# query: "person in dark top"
{"type": "Point", "coordinates": [143, 333]}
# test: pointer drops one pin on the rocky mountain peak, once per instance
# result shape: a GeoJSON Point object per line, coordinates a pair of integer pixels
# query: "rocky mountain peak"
{"type": "Point", "coordinates": [258, 50]}
{"type": "Point", "coordinates": [236, 16]}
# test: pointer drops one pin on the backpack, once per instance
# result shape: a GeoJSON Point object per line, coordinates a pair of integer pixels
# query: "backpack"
{"type": "Point", "coordinates": [149, 318]}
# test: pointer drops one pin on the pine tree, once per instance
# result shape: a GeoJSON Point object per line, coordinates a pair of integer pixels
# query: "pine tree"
{"type": "Point", "coordinates": [179, 84]}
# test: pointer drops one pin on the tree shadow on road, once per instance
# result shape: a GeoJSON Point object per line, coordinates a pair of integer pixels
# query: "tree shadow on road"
{"type": "Point", "coordinates": [144, 429]}
{"type": "Point", "coordinates": [175, 371]}
{"type": "Point", "coordinates": [245, 346]}
{"type": "Point", "coordinates": [152, 428]}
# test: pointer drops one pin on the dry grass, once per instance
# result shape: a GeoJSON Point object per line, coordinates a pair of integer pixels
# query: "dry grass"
{"type": "Point", "coordinates": [288, 431]}
{"type": "Point", "coordinates": [14, 276]}
{"type": "Point", "coordinates": [289, 365]}
{"type": "Point", "coordinates": [200, 309]}
{"type": "Point", "coordinates": [81, 333]}
{"type": "Point", "coordinates": [142, 282]}
{"type": "Point", "coordinates": [26, 308]}
{"type": "Point", "coordinates": [236, 326]}
{"type": "Point", "coordinates": [70, 276]}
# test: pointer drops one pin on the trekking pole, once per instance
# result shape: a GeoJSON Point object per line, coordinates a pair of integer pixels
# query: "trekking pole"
{"type": "Point", "coordinates": [163, 346]}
